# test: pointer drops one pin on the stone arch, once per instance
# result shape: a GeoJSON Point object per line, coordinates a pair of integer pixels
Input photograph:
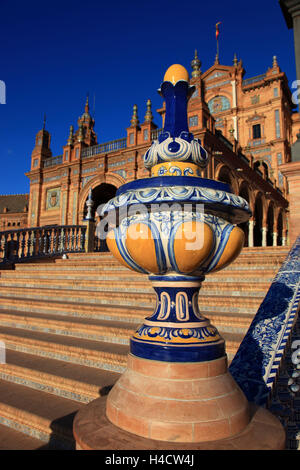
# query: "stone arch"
{"type": "Point", "coordinates": [280, 228]}
{"type": "Point", "coordinates": [258, 214]}
{"type": "Point", "coordinates": [270, 223]}
{"type": "Point", "coordinates": [245, 194]}
{"type": "Point", "coordinates": [224, 175]}
{"type": "Point", "coordinates": [112, 179]}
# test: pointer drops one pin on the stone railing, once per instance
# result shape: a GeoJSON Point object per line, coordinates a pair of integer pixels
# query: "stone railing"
{"type": "Point", "coordinates": [37, 242]}
{"type": "Point", "coordinates": [250, 81]}
{"type": "Point", "coordinates": [53, 161]}
{"type": "Point", "coordinates": [106, 147]}
{"type": "Point", "coordinates": [263, 364]}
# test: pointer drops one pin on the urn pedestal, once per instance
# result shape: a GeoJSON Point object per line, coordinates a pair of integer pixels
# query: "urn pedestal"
{"type": "Point", "coordinates": [176, 227]}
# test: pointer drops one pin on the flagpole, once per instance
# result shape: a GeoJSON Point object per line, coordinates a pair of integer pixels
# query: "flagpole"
{"type": "Point", "coordinates": [217, 39]}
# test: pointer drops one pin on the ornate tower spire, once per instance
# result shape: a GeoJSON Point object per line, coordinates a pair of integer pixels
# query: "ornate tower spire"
{"type": "Point", "coordinates": [87, 107]}
{"type": "Point", "coordinates": [196, 65]}
{"type": "Point", "coordinates": [148, 115]}
{"type": "Point", "coordinates": [134, 120]}
{"type": "Point", "coordinates": [80, 133]}
{"type": "Point", "coordinates": [71, 136]}
{"type": "Point", "coordinates": [275, 63]}
{"type": "Point", "coordinates": [235, 61]}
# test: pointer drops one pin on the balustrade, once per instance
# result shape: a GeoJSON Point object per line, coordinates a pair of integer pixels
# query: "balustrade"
{"type": "Point", "coordinates": [36, 242]}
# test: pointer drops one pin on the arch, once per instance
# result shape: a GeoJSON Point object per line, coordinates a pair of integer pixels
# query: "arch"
{"type": "Point", "coordinates": [109, 178]}
{"type": "Point", "coordinates": [258, 219]}
{"type": "Point", "coordinates": [270, 224]}
{"type": "Point", "coordinates": [244, 193]}
{"type": "Point", "coordinates": [280, 231]}
{"type": "Point", "coordinates": [224, 175]}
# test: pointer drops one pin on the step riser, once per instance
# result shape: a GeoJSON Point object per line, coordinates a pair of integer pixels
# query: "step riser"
{"type": "Point", "coordinates": [101, 360]}
{"type": "Point", "coordinates": [49, 384]}
{"type": "Point", "coordinates": [100, 286]}
{"type": "Point", "coordinates": [53, 310]}
{"type": "Point", "coordinates": [107, 311]}
{"type": "Point", "coordinates": [94, 333]}
{"type": "Point", "coordinates": [35, 426]}
{"type": "Point", "coordinates": [126, 297]}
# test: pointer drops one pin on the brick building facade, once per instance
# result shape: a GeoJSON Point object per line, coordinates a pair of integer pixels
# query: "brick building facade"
{"type": "Point", "coordinates": [246, 125]}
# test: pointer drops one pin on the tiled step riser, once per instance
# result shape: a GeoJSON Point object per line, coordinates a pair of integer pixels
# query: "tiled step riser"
{"type": "Point", "coordinates": [102, 312]}
{"type": "Point", "coordinates": [90, 358]}
{"type": "Point", "coordinates": [126, 297]}
{"type": "Point", "coordinates": [243, 264]}
{"type": "Point", "coordinates": [235, 288]}
{"type": "Point", "coordinates": [71, 390]}
{"type": "Point", "coordinates": [102, 334]}
{"type": "Point", "coordinates": [94, 333]}
{"type": "Point", "coordinates": [108, 311]}
{"type": "Point", "coordinates": [35, 426]}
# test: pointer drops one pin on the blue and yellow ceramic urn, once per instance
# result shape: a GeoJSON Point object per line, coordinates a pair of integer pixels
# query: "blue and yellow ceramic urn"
{"type": "Point", "coordinates": [176, 226]}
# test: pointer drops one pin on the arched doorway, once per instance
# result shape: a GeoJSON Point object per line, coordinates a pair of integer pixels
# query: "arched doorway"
{"type": "Point", "coordinates": [224, 175]}
{"type": "Point", "coordinates": [279, 229]}
{"type": "Point", "coordinates": [270, 225]}
{"type": "Point", "coordinates": [258, 218]}
{"type": "Point", "coordinates": [100, 195]}
{"type": "Point", "coordinates": [244, 193]}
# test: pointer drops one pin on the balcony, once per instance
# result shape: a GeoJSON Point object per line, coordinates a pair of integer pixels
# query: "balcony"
{"type": "Point", "coordinates": [106, 147]}
{"type": "Point", "coordinates": [53, 161]}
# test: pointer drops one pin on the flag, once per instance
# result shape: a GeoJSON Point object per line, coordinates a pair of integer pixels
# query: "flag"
{"type": "Point", "coordinates": [217, 29]}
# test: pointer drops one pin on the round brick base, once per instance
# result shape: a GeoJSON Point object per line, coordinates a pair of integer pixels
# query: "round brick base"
{"type": "Point", "coordinates": [178, 402]}
{"type": "Point", "coordinates": [93, 431]}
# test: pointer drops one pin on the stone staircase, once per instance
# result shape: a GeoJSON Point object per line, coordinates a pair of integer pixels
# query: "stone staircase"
{"type": "Point", "coordinates": [66, 326]}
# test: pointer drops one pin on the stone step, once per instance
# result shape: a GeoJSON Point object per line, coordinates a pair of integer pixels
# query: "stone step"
{"type": "Point", "coordinates": [67, 380]}
{"type": "Point", "coordinates": [134, 277]}
{"type": "Point", "coordinates": [11, 439]}
{"type": "Point", "coordinates": [104, 355]}
{"type": "Point", "coordinates": [264, 276]}
{"type": "Point", "coordinates": [110, 308]}
{"type": "Point", "coordinates": [118, 331]}
{"type": "Point", "coordinates": [136, 285]}
{"type": "Point", "coordinates": [147, 298]}
{"type": "Point", "coordinates": [37, 414]}
{"type": "Point", "coordinates": [86, 328]}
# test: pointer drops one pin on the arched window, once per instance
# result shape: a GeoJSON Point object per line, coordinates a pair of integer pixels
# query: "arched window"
{"type": "Point", "coordinates": [218, 104]}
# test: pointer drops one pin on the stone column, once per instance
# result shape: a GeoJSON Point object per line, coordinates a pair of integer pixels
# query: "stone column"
{"type": "Point", "coordinates": [250, 234]}
{"type": "Point", "coordinates": [264, 236]}
{"type": "Point", "coordinates": [275, 238]}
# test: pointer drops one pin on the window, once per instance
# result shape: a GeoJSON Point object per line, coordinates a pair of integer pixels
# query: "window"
{"type": "Point", "coordinates": [77, 153]}
{"type": "Point", "coordinates": [35, 162]}
{"type": "Point", "coordinates": [67, 155]}
{"type": "Point", "coordinates": [275, 92]}
{"type": "Point", "coordinates": [146, 134]}
{"type": "Point", "coordinates": [279, 158]}
{"type": "Point", "coordinates": [256, 132]}
{"type": "Point", "coordinates": [193, 121]}
{"type": "Point", "coordinates": [131, 138]}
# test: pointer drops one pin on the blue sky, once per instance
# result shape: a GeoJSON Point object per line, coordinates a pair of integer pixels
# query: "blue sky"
{"type": "Point", "coordinates": [54, 53]}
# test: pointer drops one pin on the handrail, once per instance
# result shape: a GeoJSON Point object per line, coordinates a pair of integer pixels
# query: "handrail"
{"type": "Point", "coordinates": [260, 357]}
{"type": "Point", "coordinates": [37, 242]}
